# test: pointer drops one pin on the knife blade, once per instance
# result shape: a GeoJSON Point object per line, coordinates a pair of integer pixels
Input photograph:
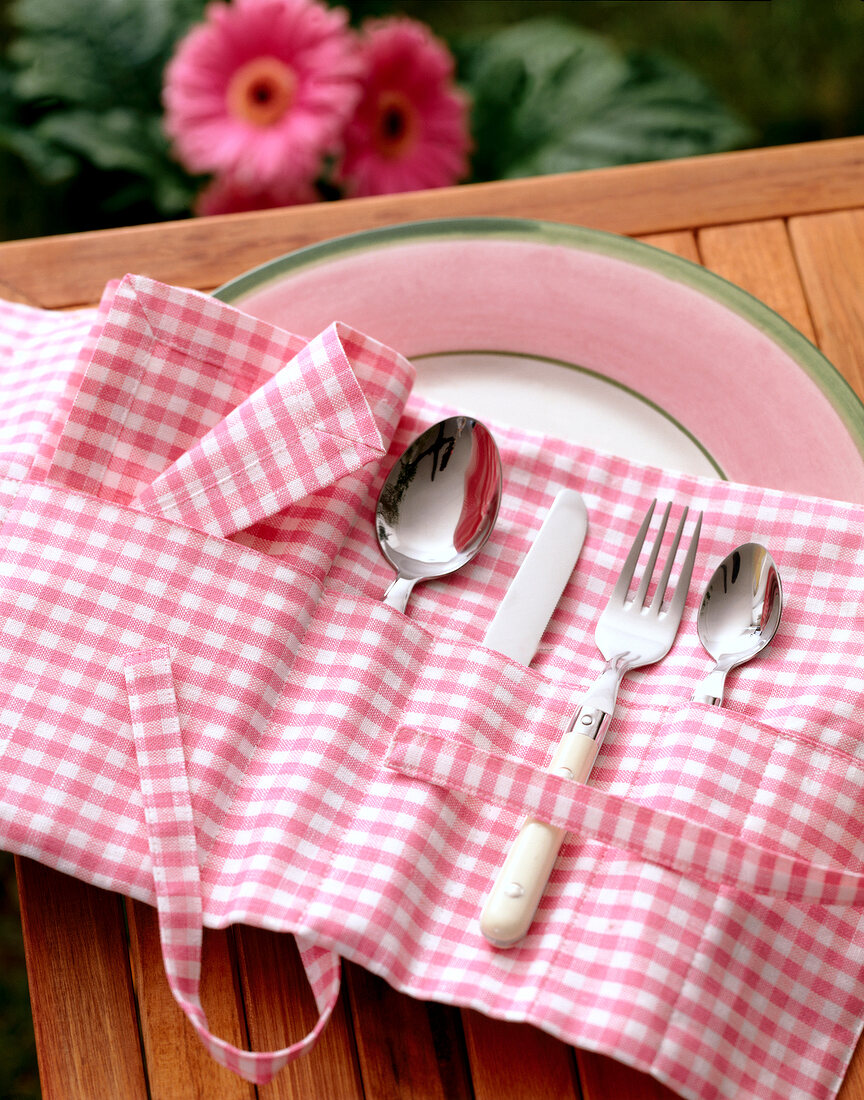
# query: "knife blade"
{"type": "Point", "coordinates": [533, 594]}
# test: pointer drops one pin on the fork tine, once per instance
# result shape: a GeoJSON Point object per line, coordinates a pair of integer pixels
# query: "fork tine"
{"type": "Point", "coordinates": [663, 583]}
{"type": "Point", "coordinates": [622, 585]}
{"type": "Point", "coordinates": [639, 598]}
{"type": "Point", "coordinates": [676, 604]}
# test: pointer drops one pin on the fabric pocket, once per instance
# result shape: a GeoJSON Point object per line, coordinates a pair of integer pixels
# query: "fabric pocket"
{"type": "Point", "coordinates": [707, 922]}
{"type": "Point", "coordinates": [82, 584]}
{"type": "Point", "coordinates": [774, 983]}
{"type": "Point", "coordinates": [778, 789]}
{"type": "Point", "coordinates": [321, 817]}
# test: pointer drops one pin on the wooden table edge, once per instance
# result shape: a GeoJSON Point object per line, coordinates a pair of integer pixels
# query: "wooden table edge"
{"type": "Point", "coordinates": [657, 197]}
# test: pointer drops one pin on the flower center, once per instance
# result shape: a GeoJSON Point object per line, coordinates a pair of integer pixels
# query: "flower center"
{"type": "Point", "coordinates": [395, 125]}
{"type": "Point", "coordinates": [262, 91]}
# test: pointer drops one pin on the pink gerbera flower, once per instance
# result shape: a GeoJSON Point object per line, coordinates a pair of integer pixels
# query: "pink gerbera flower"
{"type": "Point", "coordinates": [410, 128]}
{"type": "Point", "coordinates": [261, 90]}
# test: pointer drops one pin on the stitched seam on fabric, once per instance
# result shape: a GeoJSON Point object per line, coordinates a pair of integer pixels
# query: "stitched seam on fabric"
{"type": "Point", "coordinates": [353, 441]}
{"type": "Point", "coordinates": [677, 1012]}
{"type": "Point", "coordinates": [114, 459]}
{"type": "Point", "coordinates": [206, 484]}
{"type": "Point", "coordinates": [797, 737]}
{"type": "Point", "coordinates": [355, 395]}
{"type": "Point", "coordinates": [678, 712]}
{"type": "Point", "coordinates": [299, 392]}
{"type": "Point", "coordinates": [302, 920]}
{"type": "Point", "coordinates": [211, 482]}
{"type": "Point", "coordinates": [138, 372]}
{"type": "Point", "coordinates": [851, 817]}
{"type": "Point", "coordinates": [671, 863]}
{"type": "Point", "coordinates": [330, 594]}
{"type": "Point", "coordinates": [188, 347]}
{"type": "Point", "coordinates": [552, 965]}
{"type": "Point", "coordinates": [341, 831]}
{"type": "Point", "coordinates": [234, 550]}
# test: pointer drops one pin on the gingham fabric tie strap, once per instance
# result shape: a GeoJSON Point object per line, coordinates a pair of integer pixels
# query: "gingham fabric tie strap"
{"type": "Point", "coordinates": [697, 851]}
{"type": "Point", "coordinates": [173, 848]}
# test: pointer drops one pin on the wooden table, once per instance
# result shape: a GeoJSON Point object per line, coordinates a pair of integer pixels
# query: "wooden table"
{"type": "Point", "coordinates": [786, 224]}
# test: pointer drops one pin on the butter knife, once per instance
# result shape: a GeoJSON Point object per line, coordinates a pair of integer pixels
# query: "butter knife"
{"type": "Point", "coordinates": [525, 611]}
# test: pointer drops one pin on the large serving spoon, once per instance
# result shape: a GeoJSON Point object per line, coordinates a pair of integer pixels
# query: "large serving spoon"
{"type": "Point", "coordinates": [739, 615]}
{"type": "Point", "coordinates": [439, 503]}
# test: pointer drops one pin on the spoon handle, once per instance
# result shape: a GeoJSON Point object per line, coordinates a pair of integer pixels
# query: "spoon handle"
{"type": "Point", "coordinates": [398, 592]}
{"type": "Point", "coordinates": [710, 689]}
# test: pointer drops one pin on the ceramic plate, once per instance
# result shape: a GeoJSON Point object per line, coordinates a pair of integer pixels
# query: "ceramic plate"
{"type": "Point", "coordinates": [585, 335]}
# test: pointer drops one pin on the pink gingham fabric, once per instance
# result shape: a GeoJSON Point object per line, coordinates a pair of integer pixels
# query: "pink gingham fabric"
{"type": "Point", "coordinates": [206, 705]}
{"type": "Point", "coordinates": [173, 847]}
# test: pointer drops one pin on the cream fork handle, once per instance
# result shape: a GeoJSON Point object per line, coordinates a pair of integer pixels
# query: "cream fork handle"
{"type": "Point", "coordinates": [513, 900]}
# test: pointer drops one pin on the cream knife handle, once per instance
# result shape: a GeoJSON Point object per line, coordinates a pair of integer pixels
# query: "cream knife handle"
{"type": "Point", "coordinates": [513, 900]}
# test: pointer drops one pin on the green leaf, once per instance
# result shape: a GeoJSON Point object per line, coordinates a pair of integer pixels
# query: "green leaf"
{"type": "Point", "coordinates": [122, 141]}
{"type": "Point", "coordinates": [96, 55]}
{"type": "Point", "coordinates": [83, 90]}
{"type": "Point", "coordinates": [49, 164]}
{"type": "Point", "coordinates": [117, 139]}
{"type": "Point", "coordinates": [549, 97]}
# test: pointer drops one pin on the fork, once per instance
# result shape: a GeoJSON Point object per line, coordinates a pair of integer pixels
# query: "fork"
{"type": "Point", "coordinates": [630, 633]}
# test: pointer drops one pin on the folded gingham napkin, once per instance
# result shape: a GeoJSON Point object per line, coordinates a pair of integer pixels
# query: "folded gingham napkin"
{"type": "Point", "coordinates": [207, 706]}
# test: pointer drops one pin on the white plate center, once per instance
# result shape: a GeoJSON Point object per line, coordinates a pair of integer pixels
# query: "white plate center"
{"type": "Point", "coordinates": [563, 401]}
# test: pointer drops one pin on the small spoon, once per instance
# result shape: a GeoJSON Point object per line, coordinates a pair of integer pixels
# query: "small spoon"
{"type": "Point", "coordinates": [739, 614]}
{"type": "Point", "coordinates": [439, 504]}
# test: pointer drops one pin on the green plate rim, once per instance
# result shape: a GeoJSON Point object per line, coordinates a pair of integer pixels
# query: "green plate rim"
{"type": "Point", "coordinates": [840, 395]}
{"type": "Point", "coordinates": [600, 377]}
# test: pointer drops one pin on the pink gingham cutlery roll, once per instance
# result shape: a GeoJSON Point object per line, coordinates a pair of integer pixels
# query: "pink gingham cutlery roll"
{"type": "Point", "coordinates": [236, 729]}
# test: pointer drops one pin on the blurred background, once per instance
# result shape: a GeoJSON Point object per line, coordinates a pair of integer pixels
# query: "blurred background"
{"type": "Point", "coordinates": [554, 85]}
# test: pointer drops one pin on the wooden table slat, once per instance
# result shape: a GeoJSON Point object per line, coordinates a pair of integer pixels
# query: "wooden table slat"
{"type": "Point", "coordinates": [683, 244]}
{"type": "Point", "coordinates": [280, 1010]}
{"type": "Point", "coordinates": [758, 257]}
{"type": "Point", "coordinates": [81, 995]}
{"type": "Point", "coordinates": [605, 1078]}
{"type": "Point", "coordinates": [173, 1051]}
{"type": "Point", "coordinates": [408, 1050]}
{"type": "Point", "coordinates": [640, 199]}
{"type": "Point", "coordinates": [829, 250]}
{"type": "Point", "coordinates": [519, 1062]}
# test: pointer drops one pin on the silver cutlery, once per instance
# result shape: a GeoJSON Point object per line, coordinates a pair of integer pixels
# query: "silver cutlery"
{"type": "Point", "coordinates": [629, 634]}
{"type": "Point", "coordinates": [738, 616]}
{"type": "Point", "coordinates": [439, 504]}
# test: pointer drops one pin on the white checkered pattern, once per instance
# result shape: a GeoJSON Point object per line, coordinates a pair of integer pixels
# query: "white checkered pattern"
{"type": "Point", "coordinates": [237, 729]}
{"type": "Point", "coordinates": [307, 427]}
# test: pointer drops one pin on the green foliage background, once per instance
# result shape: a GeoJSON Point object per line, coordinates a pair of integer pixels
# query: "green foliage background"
{"type": "Point", "coordinates": [610, 81]}
{"type": "Point", "coordinates": [81, 146]}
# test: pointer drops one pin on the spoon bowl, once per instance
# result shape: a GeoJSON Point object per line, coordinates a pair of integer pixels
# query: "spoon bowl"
{"type": "Point", "coordinates": [439, 503]}
{"type": "Point", "coordinates": [739, 615]}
